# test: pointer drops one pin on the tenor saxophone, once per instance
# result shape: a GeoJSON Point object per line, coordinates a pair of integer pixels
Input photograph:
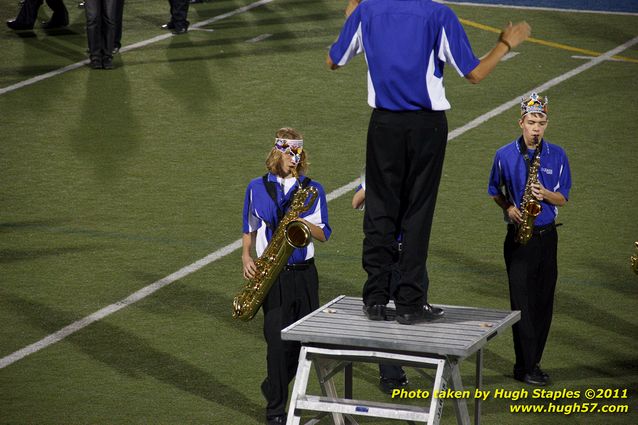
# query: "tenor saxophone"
{"type": "Point", "coordinates": [530, 207]}
{"type": "Point", "coordinates": [290, 234]}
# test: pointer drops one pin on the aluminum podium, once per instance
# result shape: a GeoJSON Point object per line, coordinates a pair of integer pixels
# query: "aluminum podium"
{"type": "Point", "coordinates": [338, 334]}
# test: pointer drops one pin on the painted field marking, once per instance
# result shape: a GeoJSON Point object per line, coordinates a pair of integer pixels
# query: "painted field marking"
{"type": "Point", "coordinates": [230, 248]}
{"type": "Point", "coordinates": [549, 9]}
{"type": "Point", "coordinates": [259, 38]}
{"type": "Point", "coordinates": [544, 42]}
{"type": "Point", "coordinates": [144, 43]}
{"type": "Point", "coordinates": [590, 58]}
{"type": "Point", "coordinates": [509, 56]}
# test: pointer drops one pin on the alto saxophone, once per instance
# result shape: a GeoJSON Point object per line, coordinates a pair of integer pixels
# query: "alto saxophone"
{"type": "Point", "coordinates": [530, 207]}
{"type": "Point", "coordinates": [290, 234]}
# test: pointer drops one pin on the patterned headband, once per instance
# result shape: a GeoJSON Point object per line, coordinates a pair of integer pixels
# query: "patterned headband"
{"type": "Point", "coordinates": [292, 147]}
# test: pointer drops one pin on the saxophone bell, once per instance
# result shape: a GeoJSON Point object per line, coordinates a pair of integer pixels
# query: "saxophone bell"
{"type": "Point", "coordinates": [298, 234]}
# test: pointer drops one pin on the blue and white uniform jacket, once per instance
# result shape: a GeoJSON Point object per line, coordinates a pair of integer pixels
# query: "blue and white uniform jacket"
{"type": "Point", "coordinates": [406, 45]}
{"type": "Point", "coordinates": [509, 176]}
{"type": "Point", "coordinates": [261, 214]}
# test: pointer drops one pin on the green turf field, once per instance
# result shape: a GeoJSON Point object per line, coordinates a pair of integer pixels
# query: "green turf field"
{"type": "Point", "coordinates": [113, 180]}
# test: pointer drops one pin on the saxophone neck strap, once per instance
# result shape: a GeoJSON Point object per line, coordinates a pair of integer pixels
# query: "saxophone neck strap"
{"type": "Point", "coordinates": [271, 188]}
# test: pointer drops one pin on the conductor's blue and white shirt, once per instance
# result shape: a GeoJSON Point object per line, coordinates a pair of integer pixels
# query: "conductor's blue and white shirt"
{"type": "Point", "coordinates": [406, 45]}
{"type": "Point", "coordinates": [261, 214]}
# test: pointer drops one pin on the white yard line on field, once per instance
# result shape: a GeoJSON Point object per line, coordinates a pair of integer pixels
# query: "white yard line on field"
{"type": "Point", "coordinates": [228, 249]}
{"type": "Point", "coordinates": [144, 43]}
{"type": "Point", "coordinates": [259, 38]}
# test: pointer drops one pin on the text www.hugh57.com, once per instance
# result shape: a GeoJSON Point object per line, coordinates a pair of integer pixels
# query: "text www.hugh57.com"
{"type": "Point", "coordinates": [568, 409]}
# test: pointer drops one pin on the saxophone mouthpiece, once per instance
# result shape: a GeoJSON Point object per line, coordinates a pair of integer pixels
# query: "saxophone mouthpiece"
{"type": "Point", "coordinates": [536, 140]}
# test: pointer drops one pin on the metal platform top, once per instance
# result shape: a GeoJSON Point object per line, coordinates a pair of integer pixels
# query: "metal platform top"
{"type": "Point", "coordinates": [341, 322]}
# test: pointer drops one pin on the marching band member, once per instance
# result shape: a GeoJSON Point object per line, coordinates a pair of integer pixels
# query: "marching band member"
{"type": "Point", "coordinates": [532, 165]}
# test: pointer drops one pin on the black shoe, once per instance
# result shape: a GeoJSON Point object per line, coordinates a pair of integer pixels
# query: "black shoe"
{"type": "Point", "coordinates": [49, 25]}
{"type": "Point", "coordinates": [537, 370]}
{"type": "Point", "coordinates": [107, 62]}
{"type": "Point", "coordinates": [81, 5]}
{"type": "Point", "coordinates": [17, 26]}
{"type": "Point", "coordinates": [96, 63]}
{"type": "Point", "coordinates": [389, 384]}
{"type": "Point", "coordinates": [531, 378]}
{"type": "Point", "coordinates": [56, 21]}
{"type": "Point", "coordinates": [116, 50]}
{"type": "Point", "coordinates": [168, 26]}
{"type": "Point", "coordinates": [425, 314]}
{"type": "Point", "coordinates": [180, 30]}
{"type": "Point", "coordinates": [435, 311]}
{"type": "Point", "coordinates": [375, 311]}
{"type": "Point", "coordinates": [276, 420]}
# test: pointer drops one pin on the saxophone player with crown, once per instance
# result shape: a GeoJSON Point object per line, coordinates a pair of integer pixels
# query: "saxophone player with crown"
{"type": "Point", "coordinates": [284, 211]}
{"type": "Point", "coordinates": [529, 180]}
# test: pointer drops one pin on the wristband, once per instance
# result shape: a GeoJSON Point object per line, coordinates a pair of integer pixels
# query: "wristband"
{"type": "Point", "coordinates": [502, 40]}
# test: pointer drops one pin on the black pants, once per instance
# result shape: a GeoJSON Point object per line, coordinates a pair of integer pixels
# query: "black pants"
{"type": "Point", "coordinates": [101, 25]}
{"type": "Point", "coordinates": [390, 371]}
{"type": "Point", "coordinates": [532, 273]}
{"type": "Point", "coordinates": [119, 17]}
{"type": "Point", "coordinates": [29, 11]}
{"type": "Point", "coordinates": [294, 295]}
{"type": "Point", "coordinates": [179, 12]}
{"type": "Point", "coordinates": [404, 159]}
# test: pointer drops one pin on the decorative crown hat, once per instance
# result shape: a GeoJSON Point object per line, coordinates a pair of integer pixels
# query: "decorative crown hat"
{"type": "Point", "coordinates": [534, 104]}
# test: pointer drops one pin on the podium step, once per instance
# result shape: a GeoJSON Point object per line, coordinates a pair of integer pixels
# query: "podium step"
{"type": "Point", "coordinates": [362, 407]}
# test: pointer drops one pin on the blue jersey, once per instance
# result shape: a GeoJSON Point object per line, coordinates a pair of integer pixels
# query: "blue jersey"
{"type": "Point", "coordinates": [406, 44]}
{"type": "Point", "coordinates": [509, 176]}
{"type": "Point", "coordinates": [261, 214]}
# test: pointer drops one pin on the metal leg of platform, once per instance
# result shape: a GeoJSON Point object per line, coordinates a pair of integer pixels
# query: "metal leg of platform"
{"type": "Point", "coordinates": [460, 405]}
{"type": "Point", "coordinates": [325, 373]}
{"type": "Point", "coordinates": [479, 384]}
{"type": "Point", "coordinates": [301, 383]}
{"type": "Point", "coordinates": [328, 362]}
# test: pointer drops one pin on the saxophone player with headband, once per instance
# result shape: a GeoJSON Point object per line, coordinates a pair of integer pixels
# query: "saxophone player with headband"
{"type": "Point", "coordinates": [284, 196]}
{"type": "Point", "coordinates": [529, 180]}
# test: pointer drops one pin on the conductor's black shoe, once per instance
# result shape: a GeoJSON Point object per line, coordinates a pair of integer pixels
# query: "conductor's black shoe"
{"type": "Point", "coordinates": [537, 370]}
{"type": "Point", "coordinates": [276, 420]}
{"type": "Point", "coordinates": [18, 26]}
{"type": "Point", "coordinates": [180, 30]}
{"type": "Point", "coordinates": [531, 378]}
{"type": "Point", "coordinates": [168, 26]}
{"type": "Point", "coordinates": [436, 311]}
{"type": "Point", "coordinates": [389, 384]}
{"type": "Point", "coordinates": [425, 314]}
{"type": "Point", "coordinates": [375, 311]}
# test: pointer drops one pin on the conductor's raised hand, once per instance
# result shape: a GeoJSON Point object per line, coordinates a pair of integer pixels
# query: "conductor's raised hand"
{"type": "Point", "coordinates": [515, 34]}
